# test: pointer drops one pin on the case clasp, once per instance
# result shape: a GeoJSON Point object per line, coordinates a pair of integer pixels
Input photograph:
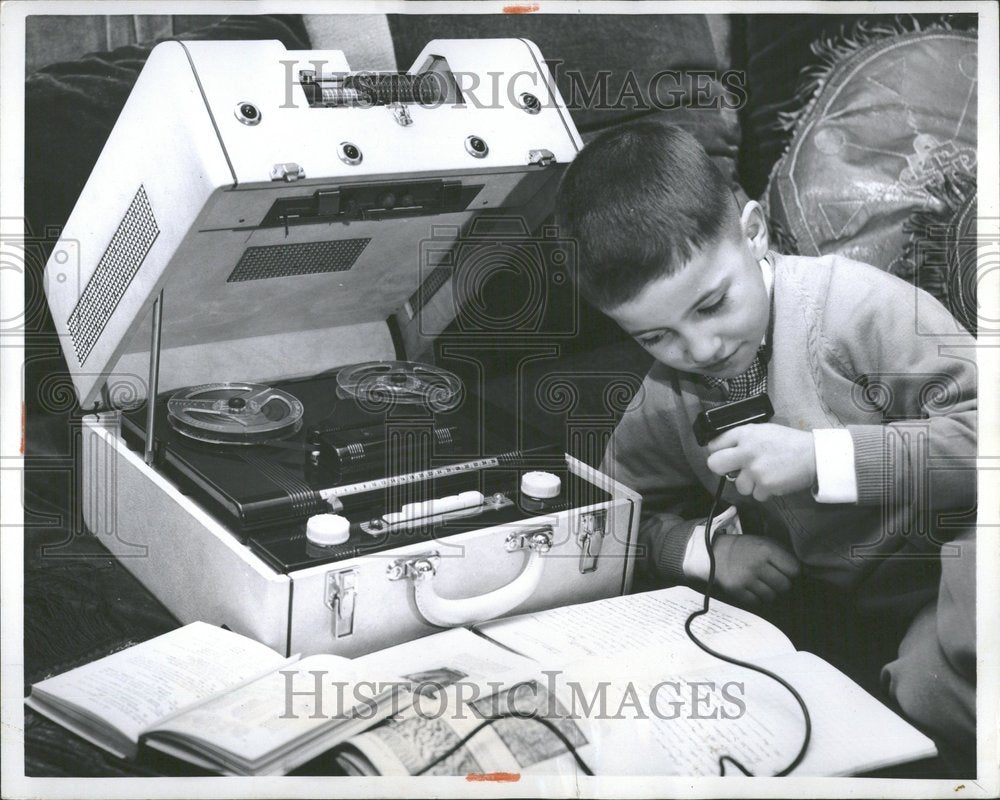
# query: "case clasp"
{"type": "Point", "coordinates": [590, 536]}
{"type": "Point", "coordinates": [341, 596]}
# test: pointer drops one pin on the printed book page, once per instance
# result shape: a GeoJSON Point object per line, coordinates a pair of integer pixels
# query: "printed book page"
{"type": "Point", "coordinates": [283, 719]}
{"type": "Point", "coordinates": [131, 690]}
{"type": "Point", "coordinates": [266, 718]}
{"type": "Point", "coordinates": [417, 735]}
{"type": "Point", "coordinates": [411, 742]}
{"type": "Point", "coordinates": [634, 624]}
{"type": "Point", "coordinates": [479, 660]}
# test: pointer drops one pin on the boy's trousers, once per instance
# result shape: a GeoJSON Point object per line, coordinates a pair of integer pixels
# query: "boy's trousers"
{"type": "Point", "coordinates": [933, 678]}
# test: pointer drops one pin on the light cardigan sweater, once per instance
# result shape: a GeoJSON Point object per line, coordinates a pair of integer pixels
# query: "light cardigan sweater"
{"type": "Point", "coordinates": [852, 347]}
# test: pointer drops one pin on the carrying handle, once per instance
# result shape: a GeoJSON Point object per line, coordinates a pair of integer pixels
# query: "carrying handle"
{"type": "Point", "coordinates": [448, 613]}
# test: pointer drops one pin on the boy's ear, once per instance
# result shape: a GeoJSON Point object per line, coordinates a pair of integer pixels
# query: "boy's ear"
{"type": "Point", "coordinates": [754, 225]}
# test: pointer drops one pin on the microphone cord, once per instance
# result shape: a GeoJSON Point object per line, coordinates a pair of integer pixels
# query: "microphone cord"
{"type": "Point", "coordinates": [511, 714]}
{"type": "Point", "coordinates": [584, 768]}
{"type": "Point", "coordinates": [729, 659]}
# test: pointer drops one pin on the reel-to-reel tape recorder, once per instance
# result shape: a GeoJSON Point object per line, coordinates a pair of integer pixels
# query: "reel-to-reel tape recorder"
{"type": "Point", "coordinates": [385, 446]}
{"type": "Point", "coordinates": [289, 476]}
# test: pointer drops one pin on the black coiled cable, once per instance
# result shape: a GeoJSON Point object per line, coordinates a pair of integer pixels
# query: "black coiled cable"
{"type": "Point", "coordinates": [729, 659]}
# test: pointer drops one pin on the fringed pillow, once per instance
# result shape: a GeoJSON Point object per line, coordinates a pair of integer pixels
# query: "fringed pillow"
{"type": "Point", "coordinates": [941, 254]}
{"type": "Point", "coordinates": [888, 121]}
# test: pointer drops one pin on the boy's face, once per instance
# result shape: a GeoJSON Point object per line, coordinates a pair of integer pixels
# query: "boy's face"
{"type": "Point", "coordinates": [710, 316]}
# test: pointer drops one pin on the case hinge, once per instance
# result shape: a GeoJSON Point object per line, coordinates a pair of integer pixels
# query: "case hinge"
{"type": "Point", "coordinates": [288, 172]}
{"type": "Point", "coordinates": [541, 157]}
{"type": "Point", "coordinates": [341, 596]}
{"type": "Point", "coordinates": [401, 114]}
{"type": "Point", "coordinates": [590, 536]}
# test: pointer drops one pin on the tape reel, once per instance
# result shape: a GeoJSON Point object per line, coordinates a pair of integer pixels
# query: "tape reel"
{"type": "Point", "coordinates": [234, 413]}
{"type": "Point", "coordinates": [381, 383]}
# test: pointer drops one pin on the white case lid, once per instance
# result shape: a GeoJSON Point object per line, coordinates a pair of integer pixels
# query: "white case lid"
{"type": "Point", "coordinates": [178, 197]}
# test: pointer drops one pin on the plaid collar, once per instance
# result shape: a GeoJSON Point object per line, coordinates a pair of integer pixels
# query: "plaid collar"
{"type": "Point", "coordinates": [747, 384]}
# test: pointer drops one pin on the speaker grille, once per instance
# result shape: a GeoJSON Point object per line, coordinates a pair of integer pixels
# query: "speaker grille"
{"type": "Point", "coordinates": [307, 258]}
{"type": "Point", "coordinates": [118, 265]}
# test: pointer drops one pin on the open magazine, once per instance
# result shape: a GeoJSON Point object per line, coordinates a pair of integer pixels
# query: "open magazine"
{"type": "Point", "coordinates": [634, 696]}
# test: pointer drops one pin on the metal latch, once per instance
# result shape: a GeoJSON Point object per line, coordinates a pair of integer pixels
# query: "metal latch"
{"type": "Point", "coordinates": [341, 594]}
{"type": "Point", "coordinates": [289, 171]}
{"type": "Point", "coordinates": [400, 114]}
{"type": "Point", "coordinates": [541, 158]}
{"type": "Point", "coordinates": [590, 536]}
{"type": "Point", "coordinates": [412, 567]}
{"type": "Point", "coordinates": [539, 539]}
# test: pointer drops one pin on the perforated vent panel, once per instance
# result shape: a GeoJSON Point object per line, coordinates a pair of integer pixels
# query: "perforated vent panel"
{"type": "Point", "coordinates": [435, 280]}
{"type": "Point", "coordinates": [307, 258]}
{"type": "Point", "coordinates": [118, 265]}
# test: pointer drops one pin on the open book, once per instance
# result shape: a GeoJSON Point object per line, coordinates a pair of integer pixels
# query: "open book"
{"type": "Point", "coordinates": [634, 696]}
{"type": "Point", "coordinates": [224, 702]}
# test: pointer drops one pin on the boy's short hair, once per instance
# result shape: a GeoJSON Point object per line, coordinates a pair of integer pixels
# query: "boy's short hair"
{"type": "Point", "coordinates": [639, 201]}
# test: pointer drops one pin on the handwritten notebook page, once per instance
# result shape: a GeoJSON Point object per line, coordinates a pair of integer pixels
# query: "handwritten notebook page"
{"type": "Point", "coordinates": [653, 621]}
{"type": "Point", "coordinates": [755, 720]}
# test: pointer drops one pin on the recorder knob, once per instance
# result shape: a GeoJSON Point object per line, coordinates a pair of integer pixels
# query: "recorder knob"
{"type": "Point", "coordinates": [540, 485]}
{"type": "Point", "coordinates": [327, 530]}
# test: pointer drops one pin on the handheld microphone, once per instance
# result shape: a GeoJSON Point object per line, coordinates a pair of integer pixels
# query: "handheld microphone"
{"type": "Point", "coordinates": [714, 421]}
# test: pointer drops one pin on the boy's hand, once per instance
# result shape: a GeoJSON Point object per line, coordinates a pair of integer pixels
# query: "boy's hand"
{"type": "Point", "coordinates": [753, 569]}
{"type": "Point", "coordinates": [769, 459]}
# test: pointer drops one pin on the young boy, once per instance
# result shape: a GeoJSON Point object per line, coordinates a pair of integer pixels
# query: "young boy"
{"type": "Point", "coordinates": [874, 430]}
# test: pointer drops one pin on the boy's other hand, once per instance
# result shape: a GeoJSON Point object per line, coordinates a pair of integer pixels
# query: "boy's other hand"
{"type": "Point", "coordinates": [769, 459]}
{"type": "Point", "coordinates": [752, 569]}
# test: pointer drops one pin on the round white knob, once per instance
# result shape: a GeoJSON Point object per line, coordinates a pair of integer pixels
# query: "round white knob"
{"type": "Point", "coordinates": [328, 529]}
{"type": "Point", "coordinates": [540, 485]}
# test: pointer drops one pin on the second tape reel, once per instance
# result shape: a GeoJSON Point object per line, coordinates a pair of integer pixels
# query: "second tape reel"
{"type": "Point", "coordinates": [383, 383]}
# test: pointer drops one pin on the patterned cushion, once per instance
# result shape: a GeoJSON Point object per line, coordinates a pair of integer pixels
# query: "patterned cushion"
{"type": "Point", "coordinates": [942, 255]}
{"type": "Point", "coordinates": [891, 121]}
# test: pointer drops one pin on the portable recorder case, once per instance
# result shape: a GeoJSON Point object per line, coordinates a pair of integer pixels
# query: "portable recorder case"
{"type": "Point", "coordinates": [262, 218]}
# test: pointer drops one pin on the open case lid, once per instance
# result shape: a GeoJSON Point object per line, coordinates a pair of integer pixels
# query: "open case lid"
{"type": "Point", "coordinates": [283, 220]}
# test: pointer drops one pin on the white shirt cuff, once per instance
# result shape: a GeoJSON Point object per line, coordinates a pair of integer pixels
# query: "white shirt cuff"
{"type": "Point", "coordinates": [696, 563]}
{"type": "Point", "coordinates": [836, 481]}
